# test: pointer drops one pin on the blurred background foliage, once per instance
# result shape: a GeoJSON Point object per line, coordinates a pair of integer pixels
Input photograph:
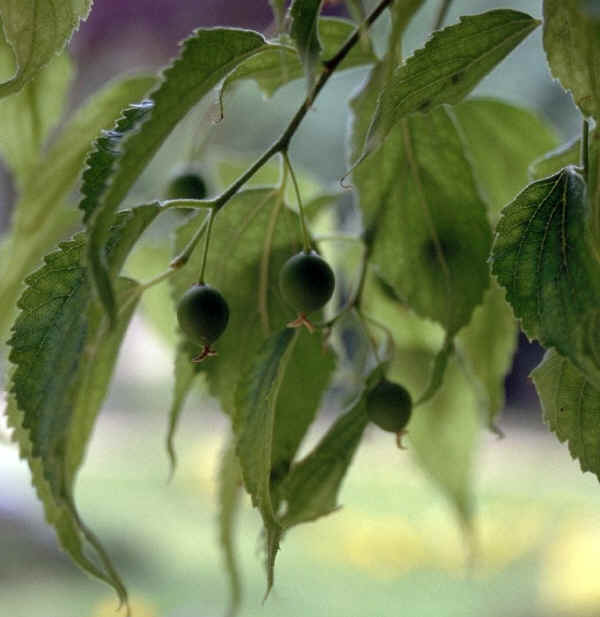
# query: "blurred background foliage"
{"type": "Point", "coordinates": [395, 547]}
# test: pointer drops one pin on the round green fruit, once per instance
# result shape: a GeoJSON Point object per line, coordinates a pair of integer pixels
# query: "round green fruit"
{"type": "Point", "coordinates": [203, 314]}
{"type": "Point", "coordinates": [187, 185]}
{"type": "Point", "coordinates": [389, 406]}
{"type": "Point", "coordinates": [306, 281]}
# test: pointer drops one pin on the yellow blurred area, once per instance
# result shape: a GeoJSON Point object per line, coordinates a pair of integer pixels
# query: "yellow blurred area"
{"type": "Point", "coordinates": [138, 606]}
{"type": "Point", "coordinates": [569, 570]}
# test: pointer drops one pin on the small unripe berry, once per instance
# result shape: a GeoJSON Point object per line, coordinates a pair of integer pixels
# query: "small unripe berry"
{"type": "Point", "coordinates": [203, 314]}
{"type": "Point", "coordinates": [306, 282]}
{"type": "Point", "coordinates": [187, 184]}
{"type": "Point", "coordinates": [389, 406]}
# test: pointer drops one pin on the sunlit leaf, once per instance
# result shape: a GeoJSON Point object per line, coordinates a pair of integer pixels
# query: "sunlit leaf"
{"type": "Point", "coordinates": [451, 64]}
{"type": "Point", "coordinates": [571, 406]}
{"type": "Point", "coordinates": [555, 160]}
{"type": "Point", "coordinates": [38, 30]}
{"type": "Point", "coordinates": [305, 34]}
{"type": "Point", "coordinates": [206, 58]}
{"type": "Point", "coordinates": [27, 118]}
{"type": "Point", "coordinates": [230, 483]}
{"type": "Point", "coordinates": [542, 257]}
{"type": "Point", "coordinates": [423, 213]}
{"type": "Point", "coordinates": [42, 217]}
{"type": "Point", "coordinates": [571, 42]}
{"type": "Point", "coordinates": [503, 140]}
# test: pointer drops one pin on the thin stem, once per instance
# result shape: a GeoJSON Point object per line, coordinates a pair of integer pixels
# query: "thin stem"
{"type": "Point", "coordinates": [185, 255]}
{"type": "Point", "coordinates": [441, 14]}
{"type": "Point", "coordinates": [585, 148]}
{"type": "Point", "coordinates": [211, 217]}
{"type": "Point", "coordinates": [187, 203]}
{"type": "Point", "coordinates": [305, 236]}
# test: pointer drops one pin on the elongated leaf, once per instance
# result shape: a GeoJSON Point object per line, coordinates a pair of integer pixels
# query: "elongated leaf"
{"type": "Point", "coordinates": [230, 482]}
{"type": "Point", "coordinates": [503, 140]}
{"type": "Point", "coordinates": [571, 42]}
{"type": "Point", "coordinates": [593, 190]}
{"type": "Point", "coordinates": [64, 357]}
{"type": "Point", "coordinates": [450, 65]}
{"type": "Point", "coordinates": [277, 65]}
{"type": "Point", "coordinates": [305, 34]}
{"type": "Point", "coordinates": [571, 406]}
{"type": "Point", "coordinates": [542, 257]}
{"type": "Point", "coordinates": [488, 345]}
{"type": "Point", "coordinates": [185, 375]}
{"type": "Point", "coordinates": [37, 31]}
{"type": "Point", "coordinates": [206, 58]}
{"type": "Point", "coordinates": [254, 424]}
{"type": "Point", "coordinates": [41, 217]}
{"type": "Point", "coordinates": [27, 118]}
{"type": "Point", "coordinates": [555, 160]}
{"type": "Point", "coordinates": [421, 206]}
{"type": "Point", "coordinates": [311, 489]}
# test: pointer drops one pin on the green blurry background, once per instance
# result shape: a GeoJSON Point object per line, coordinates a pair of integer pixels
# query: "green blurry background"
{"type": "Point", "coordinates": [395, 547]}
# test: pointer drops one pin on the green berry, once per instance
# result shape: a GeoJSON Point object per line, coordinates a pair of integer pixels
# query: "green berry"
{"type": "Point", "coordinates": [306, 281]}
{"type": "Point", "coordinates": [389, 406]}
{"type": "Point", "coordinates": [203, 314]}
{"type": "Point", "coordinates": [187, 184]}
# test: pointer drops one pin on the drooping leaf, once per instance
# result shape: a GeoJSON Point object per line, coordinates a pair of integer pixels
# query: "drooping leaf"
{"type": "Point", "coordinates": [571, 406]}
{"type": "Point", "coordinates": [185, 375]}
{"type": "Point", "coordinates": [63, 357]}
{"type": "Point", "coordinates": [450, 65]}
{"type": "Point", "coordinates": [443, 435]}
{"type": "Point", "coordinates": [42, 217]}
{"type": "Point", "coordinates": [488, 345]}
{"type": "Point", "coordinates": [312, 486]}
{"type": "Point", "coordinates": [305, 34]}
{"type": "Point", "coordinates": [27, 118]}
{"type": "Point", "coordinates": [254, 425]}
{"type": "Point", "coordinates": [423, 212]}
{"type": "Point", "coordinates": [502, 139]}
{"type": "Point", "coordinates": [230, 482]}
{"type": "Point", "coordinates": [206, 58]}
{"type": "Point", "coordinates": [571, 42]}
{"type": "Point", "coordinates": [555, 160]}
{"type": "Point", "coordinates": [542, 257]}
{"type": "Point", "coordinates": [37, 31]}
{"type": "Point", "coordinates": [277, 65]}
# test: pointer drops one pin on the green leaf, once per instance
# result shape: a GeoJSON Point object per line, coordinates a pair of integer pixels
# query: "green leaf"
{"type": "Point", "coordinates": [542, 257]}
{"type": "Point", "coordinates": [185, 375]}
{"type": "Point", "coordinates": [571, 43]}
{"type": "Point", "coordinates": [63, 357]}
{"type": "Point", "coordinates": [229, 482]}
{"type": "Point", "coordinates": [28, 117]}
{"type": "Point", "coordinates": [423, 213]}
{"type": "Point", "coordinates": [305, 34]}
{"type": "Point", "coordinates": [503, 140]}
{"type": "Point", "coordinates": [41, 217]}
{"type": "Point", "coordinates": [451, 64]}
{"type": "Point", "coordinates": [254, 425]}
{"type": "Point", "coordinates": [206, 58]}
{"type": "Point", "coordinates": [593, 190]}
{"type": "Point", "coordinates": [278, 7]}
{"type": "Point", "coordinates": [444, 435]}
{"type": "Point", "coordinates": [37, 31]}
{"type": "Point", "coordinates": [312, 486]}
{"type": "Point", "coordinates": [571, 404]}
{"type": "Point", "coordinates": [555, 160]}
{"type": "Point", "coordinates": [402, 14]}
{"type": "Point", "coordinates": [488, 345]}
{"type": "Point", "coordinates": [277, 65]}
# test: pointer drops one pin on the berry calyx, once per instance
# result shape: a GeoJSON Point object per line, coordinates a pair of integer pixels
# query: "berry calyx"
{"type": "Point", "coordinates": [306, 282]}
{"type": "Point", "coordinates": [389, 406]}
{"type": "Point", "coordinates": [187, 184]}
{"type": "Point", "coordinates": [203, 314]}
